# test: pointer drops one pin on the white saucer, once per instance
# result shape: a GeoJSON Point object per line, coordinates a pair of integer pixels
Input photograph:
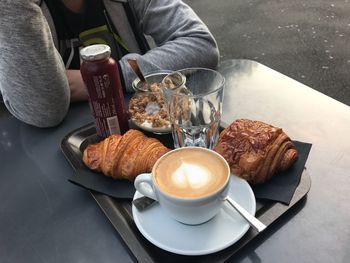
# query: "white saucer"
{"type": "Point", "coordinates": [223, 230]}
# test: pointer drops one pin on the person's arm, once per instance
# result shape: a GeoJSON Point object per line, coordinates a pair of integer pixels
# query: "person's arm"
{"type": "Point", "coordinates": [78, 90]}
{"type": "Point", "coordinates": [182, 39]}
{"type": "Point", "coordinates": [33, 82]}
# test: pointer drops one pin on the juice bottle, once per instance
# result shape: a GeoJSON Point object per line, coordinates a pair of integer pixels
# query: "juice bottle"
{"type": "Point", "coordinates": [101, 76]}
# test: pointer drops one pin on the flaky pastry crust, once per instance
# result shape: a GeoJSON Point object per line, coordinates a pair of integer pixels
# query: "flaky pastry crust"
{"type": "Point", "coordinates": [124, 157]}
{"type": "Point", "coordinates": [255, 150]}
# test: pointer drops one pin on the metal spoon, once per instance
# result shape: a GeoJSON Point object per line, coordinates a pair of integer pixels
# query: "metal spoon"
{"type": "Point", "coordinates": [252, 220]}
{"type": "Point", "coordinates": [176, 82]}
{"type": "Point", "coordinates": [142, 85]}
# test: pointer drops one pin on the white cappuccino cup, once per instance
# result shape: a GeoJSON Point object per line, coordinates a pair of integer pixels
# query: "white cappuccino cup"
{"type": "Point", "coordinates": [190, 184]}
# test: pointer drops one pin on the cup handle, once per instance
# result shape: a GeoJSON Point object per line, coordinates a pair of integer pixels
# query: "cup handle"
{"type": "Point", "coordinates": [143, 183]}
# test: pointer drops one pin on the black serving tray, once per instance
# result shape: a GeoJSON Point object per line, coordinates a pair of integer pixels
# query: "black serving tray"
{"type": "Point", "coordinates": [118, 211]}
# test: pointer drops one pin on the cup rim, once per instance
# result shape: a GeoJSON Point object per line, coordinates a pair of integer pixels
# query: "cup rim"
{"type": "Point", "coordinates": [134, 83]}
{"type": "Point", "coordinates": [220, 87]}
{"type": "Point", "coordinates": [186, 199]}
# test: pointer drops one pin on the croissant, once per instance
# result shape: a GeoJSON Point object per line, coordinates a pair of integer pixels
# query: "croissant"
{"type": "Point", "coordinates": [255, 151]}
{"type": "Point", "coordinates": [124, 156]}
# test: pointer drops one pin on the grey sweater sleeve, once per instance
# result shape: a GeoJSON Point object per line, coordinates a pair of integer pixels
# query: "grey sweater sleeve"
{"type": "Point", "coordinates": [32, 75]}
{"type": "Point", "coordinates": [182, 39]}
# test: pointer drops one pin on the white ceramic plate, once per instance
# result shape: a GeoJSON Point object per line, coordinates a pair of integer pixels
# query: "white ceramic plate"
{"type": "Point", "coordinates": [223, 230]}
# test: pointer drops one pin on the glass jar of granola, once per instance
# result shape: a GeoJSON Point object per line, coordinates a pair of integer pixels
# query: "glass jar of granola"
{"type": "Point", "coordinates": [147, 108]}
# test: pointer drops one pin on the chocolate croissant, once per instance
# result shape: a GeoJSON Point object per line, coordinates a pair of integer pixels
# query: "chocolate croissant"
{"type": "Point", "coordinates": [124, 156]}
{"type": "Point", "coordinates": [255, 151]}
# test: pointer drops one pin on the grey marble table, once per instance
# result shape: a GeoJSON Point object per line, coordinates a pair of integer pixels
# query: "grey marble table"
{"type": "Point", "coordinates": [44, 218]}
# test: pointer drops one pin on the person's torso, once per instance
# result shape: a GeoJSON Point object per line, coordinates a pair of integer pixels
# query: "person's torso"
{"type": "Point", "coordinates": [90, 26]}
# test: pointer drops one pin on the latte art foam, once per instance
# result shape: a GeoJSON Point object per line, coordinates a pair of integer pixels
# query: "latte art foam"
{"type": "Point", "coordinates": [190, 174]}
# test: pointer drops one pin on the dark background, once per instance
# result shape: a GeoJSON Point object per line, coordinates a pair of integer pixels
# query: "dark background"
{"type": "Point", "coordinates": [305, 40]}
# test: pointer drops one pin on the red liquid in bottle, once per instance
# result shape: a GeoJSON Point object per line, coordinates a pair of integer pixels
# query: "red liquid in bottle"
{"type": "Point", "coordinates": [101, 76]}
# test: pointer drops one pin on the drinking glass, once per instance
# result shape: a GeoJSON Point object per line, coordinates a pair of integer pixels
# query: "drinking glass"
{"type": "Point", "coordinates": [195, 108]}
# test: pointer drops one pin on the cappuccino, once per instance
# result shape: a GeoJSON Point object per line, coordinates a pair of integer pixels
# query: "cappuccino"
{"type": "Point", "coordinates": [190, 173]}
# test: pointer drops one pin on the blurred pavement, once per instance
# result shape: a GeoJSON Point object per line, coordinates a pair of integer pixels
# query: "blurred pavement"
{"type": "Point", "coordinates": [305, 40]}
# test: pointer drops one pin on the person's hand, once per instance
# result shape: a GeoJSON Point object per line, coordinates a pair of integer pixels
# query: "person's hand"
{"type": "Point", "coordinates": [77, 87]}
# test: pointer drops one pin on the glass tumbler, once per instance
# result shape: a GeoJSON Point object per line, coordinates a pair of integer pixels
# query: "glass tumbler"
{"type": "Point", "coordinates": [195, 108]}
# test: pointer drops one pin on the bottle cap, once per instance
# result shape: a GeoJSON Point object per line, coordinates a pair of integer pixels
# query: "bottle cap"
{"type": "Point", "coordinates": [95, 52]}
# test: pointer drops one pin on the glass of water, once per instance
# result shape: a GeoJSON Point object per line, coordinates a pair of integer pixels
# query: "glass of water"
{"type": "Point", "coordinates": [195, 108]}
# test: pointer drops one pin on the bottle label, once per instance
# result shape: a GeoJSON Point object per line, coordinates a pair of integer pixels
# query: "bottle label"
{"type": "Point", "coordinates": [113, 125]}
{"type": "Point", "coordinates": [103, 106]}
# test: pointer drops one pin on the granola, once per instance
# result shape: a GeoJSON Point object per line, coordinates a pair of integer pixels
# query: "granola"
{"type": "Point", "coordinates": [149, 108]}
